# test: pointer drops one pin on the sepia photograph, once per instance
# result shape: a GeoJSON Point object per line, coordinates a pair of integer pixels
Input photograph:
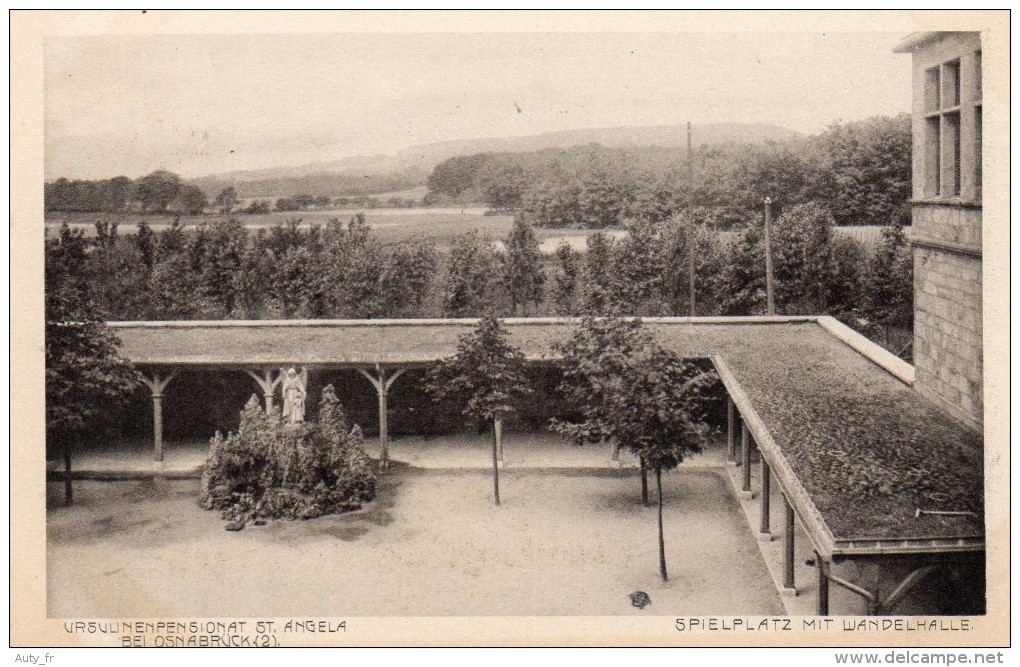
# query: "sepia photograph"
{"type": "Point", "coordinates": [521, 328]}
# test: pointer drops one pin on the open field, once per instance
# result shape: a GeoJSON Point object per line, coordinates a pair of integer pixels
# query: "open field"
{"type": "Point", "coordinates": [432, 543]}
{"type": "Point", "coordinates": [389, 225]}
{"type": "Point", "coordinates": [392, 225]}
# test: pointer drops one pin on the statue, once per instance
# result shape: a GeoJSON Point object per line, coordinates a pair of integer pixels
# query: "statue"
{"type": "Point", "coordinates": [294, 392]}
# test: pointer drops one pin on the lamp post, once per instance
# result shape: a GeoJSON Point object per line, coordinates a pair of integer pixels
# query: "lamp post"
{"type": "Point", "coordinates": [769, 295]}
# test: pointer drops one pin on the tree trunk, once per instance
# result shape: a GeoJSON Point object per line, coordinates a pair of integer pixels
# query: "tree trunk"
{"type": "Point", "coordinates": [495, 464]}
{"type": "Point", "coordinates": [497, 427]}
{"type": "Point", "coordinates": [662, 541]}
{"type": "Point", "coordinates": [644, 482]}
{"type": "Point", "coordinates": [68, 492]}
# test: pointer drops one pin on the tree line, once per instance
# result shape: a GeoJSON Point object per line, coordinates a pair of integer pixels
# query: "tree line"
{"type": "Point", "coordinates": [340, 270]}
{"type": "Point", "coordinates": [859, 171]}
{"type": "Point", "coordinates": [159, 192]}
{"type": "Point", "coordinates": [163, 192]}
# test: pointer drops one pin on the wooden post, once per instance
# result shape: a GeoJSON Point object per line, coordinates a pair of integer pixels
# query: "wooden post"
{"type": "Point", "coordinates": [789, 585]}
{"type": "Point", "coordinates": [731, 431]}
{"type": "Point", "coordinates": [157, 424]}
{"type": "Point", "coordinates": [267, 383]}
{"type": "Point", "coordinates": [823, 585]}
{"type": "Point", "coordinates": [765, 525]}
{"type": "Point", "coordinates": [745, 460]}
{"type": "Point", "coordinates": [156, 385]}
{"type": "Point", "coordinates": [769, 292]}
{"type": "Point", "coordinates": [384, 422]}
{"type": "Point", "coordinates": [382, 385]}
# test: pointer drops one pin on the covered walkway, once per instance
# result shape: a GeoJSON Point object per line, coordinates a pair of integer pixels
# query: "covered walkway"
{"type": "Point", "coordinates": [866, 465]}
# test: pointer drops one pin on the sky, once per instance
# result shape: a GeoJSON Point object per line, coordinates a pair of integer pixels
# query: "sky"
{"type": "Point", "coordinates": [201, 104]}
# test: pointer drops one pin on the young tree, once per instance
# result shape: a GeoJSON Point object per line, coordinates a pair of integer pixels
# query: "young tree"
{"type": "Point", "coordinates": [351, 277]}
{"type": "Point", "coordinates": [473, 268]}
{"type": "Point", "coordinates": [117, 275]}
{"type": "Point", "coordinates": [637, 278]}
{"type": "Point", "coordinates": [692, 231]}
{"type": "Point", "coordinates": [487, 375]}
{"type": "Point", "coordinates": [597, 276]}
{"type": "Point", "coordinates": [890, 296]}
{"type": "Point", "coordinates": [742, 282]}
{"type": "Point", "coordinates": [522, 266]}
{"type": "Point", "coordinates": [637, 394]}
{"type": "Point", "coordinates": [407, 277]}
{"type": "Point", "coordinates": [567, 279]}
{"type": "Point", "coordinates": [802, 252]}
{"type": "Point", "coordinates": [85, 376]}
{"type": "Point", "coordinates": [222, 266]}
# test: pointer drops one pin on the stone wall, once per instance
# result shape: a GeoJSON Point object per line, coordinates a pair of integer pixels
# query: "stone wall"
{"type": "Point", "coordinates": [947, 223]}
{"type": "Point", "coordinates": [947, 308]}
{"type": "Point", "coordinates": [946, 232]}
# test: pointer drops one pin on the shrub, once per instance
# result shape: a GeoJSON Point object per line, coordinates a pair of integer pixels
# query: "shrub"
{"type": "Point", "coordinates": [271, 470]}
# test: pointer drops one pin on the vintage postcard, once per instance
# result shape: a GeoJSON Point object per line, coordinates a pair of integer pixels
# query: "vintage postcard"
{"type": "Point", "coordinates": [531, 328]}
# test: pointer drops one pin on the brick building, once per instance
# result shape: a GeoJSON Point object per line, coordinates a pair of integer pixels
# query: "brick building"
{"type": "Point", "coordinates": [946, 211]}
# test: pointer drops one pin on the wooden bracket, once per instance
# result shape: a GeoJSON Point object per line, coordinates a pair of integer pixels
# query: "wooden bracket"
{"type": "Point", "coordinates": [157, 383]}
{"type": "Point", "coordinates": [265, 381]}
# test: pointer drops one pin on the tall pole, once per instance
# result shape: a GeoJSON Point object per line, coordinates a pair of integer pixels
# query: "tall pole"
{"type": "Point", "coordinates": [769, 292]}
{"type": "Point", "coordinates": [690, 264]}
{"type": "Point", "coordinates": [690, 225]}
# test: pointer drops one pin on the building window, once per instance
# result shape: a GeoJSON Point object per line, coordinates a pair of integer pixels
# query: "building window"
{"type": "Point", "coordinates": [942, 130]}
{"type": "Point", "coordinates": [977, 74]}
{"type": "Point", "coordinates": [951, 157]}
{"type": "Point", "coordinates": [977, 149]}
{"type": "Point", "coordinates": [932, 161]}
{"type": "Point", "coordinates": [977, 123]}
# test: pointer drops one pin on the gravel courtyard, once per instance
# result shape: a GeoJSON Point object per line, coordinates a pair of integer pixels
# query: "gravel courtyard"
{"type": "Point", "coordinates": [432, 543]}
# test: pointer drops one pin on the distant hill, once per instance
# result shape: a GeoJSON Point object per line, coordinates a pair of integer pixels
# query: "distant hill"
{"type": "Point", "coordinates": [363, 175]}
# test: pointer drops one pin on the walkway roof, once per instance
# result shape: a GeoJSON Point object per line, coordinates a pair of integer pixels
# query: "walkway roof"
{"type": "Point", "coordinates": [854, 446]}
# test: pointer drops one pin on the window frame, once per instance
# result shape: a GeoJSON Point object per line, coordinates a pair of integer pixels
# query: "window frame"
{"type": "Point", "coordinates": [943, 99]}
